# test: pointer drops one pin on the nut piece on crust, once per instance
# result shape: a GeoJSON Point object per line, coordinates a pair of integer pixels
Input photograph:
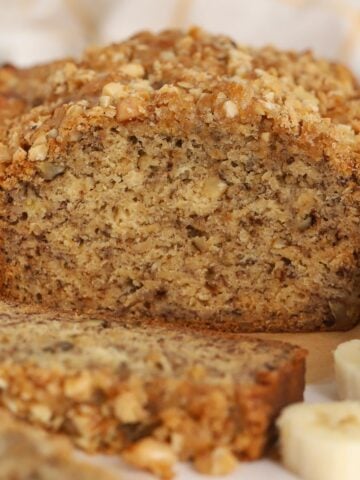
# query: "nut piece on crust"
{"type": "Point", "coordinates": [152, 455]}
{"type": "Point", "coordinates": [220, 461]}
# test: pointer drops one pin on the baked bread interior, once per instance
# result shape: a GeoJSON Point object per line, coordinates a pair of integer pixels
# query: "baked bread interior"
{"type": "Point", "coordinates": [182, 177]}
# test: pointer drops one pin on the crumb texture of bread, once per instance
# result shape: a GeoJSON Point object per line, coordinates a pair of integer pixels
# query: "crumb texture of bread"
{"type": "Point", "coordinates": [182, 177]}
{"type": "Point", "coordinates": [124, 388]}
{"type": "Point", "coordinates": [28, 453]}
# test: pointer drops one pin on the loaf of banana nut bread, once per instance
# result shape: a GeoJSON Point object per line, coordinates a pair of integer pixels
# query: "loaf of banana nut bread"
{"type": "Point", "coordinates": [183, 177]}
{"type": "Point", "coordinates": [135, 388]}
{"type": "Point", "coordinates": [27, 453]}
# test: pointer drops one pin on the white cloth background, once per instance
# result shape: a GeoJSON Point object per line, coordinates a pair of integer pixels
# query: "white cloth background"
{"type": "Point", "coordinates": [39, 30]}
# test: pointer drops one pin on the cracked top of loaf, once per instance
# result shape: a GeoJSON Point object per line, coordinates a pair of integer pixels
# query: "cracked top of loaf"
{"type": "Point", "coordinates": [180, 81]}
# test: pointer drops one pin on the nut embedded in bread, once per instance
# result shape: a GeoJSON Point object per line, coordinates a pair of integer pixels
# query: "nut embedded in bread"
{"type": "Point", "coordinates": [113, 386]}
{"type": "Point", "coordinates": [180, 176]}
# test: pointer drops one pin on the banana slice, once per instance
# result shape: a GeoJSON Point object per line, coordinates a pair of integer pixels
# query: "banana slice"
{"type": "Point", "coordinates": [321, 441]}
{"type": "Point", "coordinates": [347, 370]}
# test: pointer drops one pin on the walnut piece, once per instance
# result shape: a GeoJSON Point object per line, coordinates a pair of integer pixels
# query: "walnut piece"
{"type": "Point", "coordinates": [113, 90]}
{"type": "Point", "coordinates": [135, 70]}
{"type": "Point", "coordinates": [41, 413]}
{"type": "Point", "coordinates": [129, 108]}
{"type": "Point", "coordinates": [220, 461]}
{"type": "Point", "coordinates": [152, 455]}
{"type": "Point", "coordinates": [128, 408]}
{"type": "Point", "coordinates": [79, 388]}
{"type": "Point", "coordinates": [50, 170]}
{"type": "Point", "coordinates": [231, 109]}
{"type": "Point", "coordinates": [38, 153]}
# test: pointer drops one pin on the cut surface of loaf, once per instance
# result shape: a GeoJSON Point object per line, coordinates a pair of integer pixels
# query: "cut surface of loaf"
{"type": "Point", "coordinates": [28, 453]}
{"type": "Point", "coordinates": [180, 176]}
{"type": "Point", "coordinates": [111, 385]}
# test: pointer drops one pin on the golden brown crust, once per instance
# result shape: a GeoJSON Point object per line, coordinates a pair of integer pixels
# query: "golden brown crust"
{"type": "Point", "coordinates": [313, 101]}
{"type": "Point", "coordinates": [274, 391]}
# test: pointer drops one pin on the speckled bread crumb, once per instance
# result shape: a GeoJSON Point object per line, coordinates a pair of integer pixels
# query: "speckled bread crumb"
{"type": "Point", "coordinates": [28, 453]}
{"type": "Point", "coordinates": [153, 393]}
{"type": "Point", "coordinates": [180, 176]}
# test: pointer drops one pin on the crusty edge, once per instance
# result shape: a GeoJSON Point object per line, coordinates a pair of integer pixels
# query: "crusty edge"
{"type": "Point", "coordinates": [262, 403]}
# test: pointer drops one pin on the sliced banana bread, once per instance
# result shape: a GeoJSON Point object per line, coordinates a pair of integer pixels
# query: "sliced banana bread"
{"type": "Point", "coordinates": [180, 176]}
{"type": "Point", "coordinates": [110, 385]}
{"type": "Point", "coordinates": [27, 453]}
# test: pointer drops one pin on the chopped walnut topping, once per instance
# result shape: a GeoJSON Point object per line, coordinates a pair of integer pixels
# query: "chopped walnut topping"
{"type": "Point", "coordinates": [74, 110]}
{"type": "Point", "coordinates": [128, 408]}
{"type": "Point", "coordinates": [105, 101]}
{"type": "Point", "coordinates": [169, 89]}
{"type": "Point", "coordinates": [167, 56]}
{"type": "Point", "coordinates": [53, 133]}
{"type": "Point", "coordinates": [129, 108]}
{"type": "Point", "coordinates": [19, 155]}
{"type": "Point", "coordinates": [185, 85]}
{"type": "Point", "coordinates": [79, 388]}
{"type": "Point", "coordinates": [38, 153]}
{"type": "Point", "coordinates": [231, 109]}
{"type": "Point", "coordinates": [113, 90]}
{"type": "Point", "coordinates": [152, 455]}
{"type": "Point", "coordinates": [3, 384]}
{"type": "Point", "coordinates": [50, 170]}
{"type": "Point", "coordinates": [41, 413]}
{"type": "Point", "coordinates": [185, 44]}
{"type": "Point", "coordinates": [220, 461]}
{"type": "Point", "coordinates": [135, 70]}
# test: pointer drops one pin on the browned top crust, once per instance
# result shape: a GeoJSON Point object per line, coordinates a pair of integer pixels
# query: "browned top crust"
{"type": "Point", "coordinates": [183, 81]}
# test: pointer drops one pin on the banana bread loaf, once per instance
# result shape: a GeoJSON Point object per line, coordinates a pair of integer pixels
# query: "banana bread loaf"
{"type": "Point", "coordinates": [121, 387]}
{"type": "Point", "coordinates": [180, 176]}
{"type": "Point", "coordinates": [27, 453]}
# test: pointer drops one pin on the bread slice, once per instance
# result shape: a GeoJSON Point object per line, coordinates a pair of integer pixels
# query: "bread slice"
{"type": "Point", "coordinates": [180, 176]}
{"type": "Point", "coordinates": [28, 453]}
{"type": "Point", "coordinates": [109, 386]}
